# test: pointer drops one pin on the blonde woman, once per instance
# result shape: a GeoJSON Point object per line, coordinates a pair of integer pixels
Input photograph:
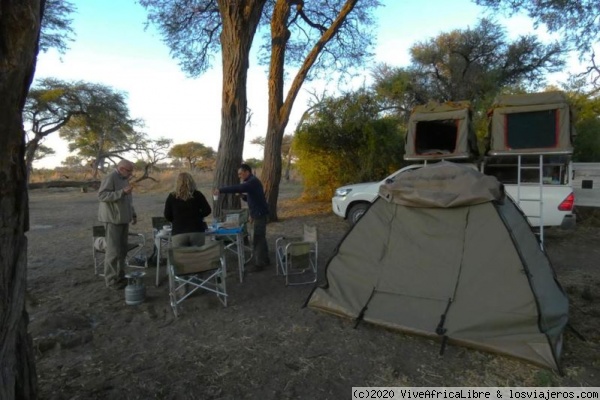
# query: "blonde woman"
{"type": "Point", "coordinates": [186, 208]}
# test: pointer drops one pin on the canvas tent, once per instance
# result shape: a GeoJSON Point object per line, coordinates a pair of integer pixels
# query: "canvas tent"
{"type": "Point", "coordinates": [443, 253]}
{"type": "Point", "coordinates": [441, 131]}
{"type": "Point", "coordinates": [534, 123]}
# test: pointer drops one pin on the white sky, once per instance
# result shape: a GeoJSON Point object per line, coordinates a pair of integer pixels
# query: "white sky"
{"type": "Point", "coordinates": [112, 47]}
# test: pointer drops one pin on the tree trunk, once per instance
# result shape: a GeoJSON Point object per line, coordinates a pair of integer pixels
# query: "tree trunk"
{"type": "Point", "coordinates": [279, 110]}
{"type": "Point", "coordinates": [19, 27]}
{"type": "Point", "coordinates": [30, 150]}
{"type": "Point", "coordinates": [271, 173]}
{"type": "Point", "coordinates": [240, 19]}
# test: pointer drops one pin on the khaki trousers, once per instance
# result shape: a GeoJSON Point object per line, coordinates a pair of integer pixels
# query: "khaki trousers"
{"type": "Point", "coordinates": [116, 252]}
{"type": "Point", "coordinates": [188, 239]}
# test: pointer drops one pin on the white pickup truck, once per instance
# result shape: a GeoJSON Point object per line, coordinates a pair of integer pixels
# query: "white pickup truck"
{"type": "Point", "coordinates": [557, 199]}
{"type": "Point", "coordinates": [546, 200]}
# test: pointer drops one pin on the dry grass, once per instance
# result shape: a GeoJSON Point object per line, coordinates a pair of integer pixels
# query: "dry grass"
{"type": "Point", "coordinates": [298, 207]}
{"type": "Point", "coordinates": [588, 216]}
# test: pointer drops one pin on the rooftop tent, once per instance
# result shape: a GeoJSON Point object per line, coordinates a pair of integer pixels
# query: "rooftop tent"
{"type": "Point", "coordinates": [440, 131]}
{"type": "Point", "coordinates": [535, 123]}
{"type": "Point", "coordinates": [443, 253]}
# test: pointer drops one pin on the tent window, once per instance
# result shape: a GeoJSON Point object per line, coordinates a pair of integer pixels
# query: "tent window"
{"type": "Point", "coordinates": [436, 137]}
{"type": "Point", "coordinates": [530, 130]}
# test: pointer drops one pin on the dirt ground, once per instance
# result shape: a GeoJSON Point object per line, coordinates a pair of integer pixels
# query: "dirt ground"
{"type": "Point", "coordinates": [264, 345]}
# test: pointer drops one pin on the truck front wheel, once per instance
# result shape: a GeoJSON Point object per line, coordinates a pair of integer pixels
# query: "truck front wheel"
{"type": "Point", "coordinates": [356, 211]}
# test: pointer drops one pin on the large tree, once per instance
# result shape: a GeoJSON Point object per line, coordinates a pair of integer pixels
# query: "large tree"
{"type": "Point", "coordinates": [325, 35]}
{"type": "Point", "coordinates": [576, 20]}
{"type": "Point", "coordinates": [94, 117]}
{"type": "Point", "coordinates": [194, 154]}
{"type": "Point", "coordinates": [50, 105]}
{"type": "Point", "coordinates": [331, 35]}
{"type": "Point", "coordinates": [105, 130]}
{"type": "Point", "coordinates": [19, 35]}
{"type": "Point", "coordinates": [195, 31]}
{"type": "Point", "coordinates": [150, 155]}
{"type": "Point", "coordinates": [473, 64]}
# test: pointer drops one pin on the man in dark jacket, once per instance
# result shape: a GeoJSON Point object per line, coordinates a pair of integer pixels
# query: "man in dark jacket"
{"type": "Point", "coordinates": [254, 194]}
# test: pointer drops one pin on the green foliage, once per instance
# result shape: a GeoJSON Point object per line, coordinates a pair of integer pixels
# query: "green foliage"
{"type": "Point", "coordinates": [72, 162]}
{"type": "Point", "coordinates": [575, 20]}
{"type": "Point", "coordinates": [52, 102]}
{"type": "Point", "coordinates": [56, 30]}
{"type": "Point", "coordinates": [43, 151]}
{"type": "Point", "coordinates": [471, 64]}
{"type": "Point", "coordinates": [254, 163]}
{"type": "Point", "coordinates": [347, 141]}
{"type": "Point", "coordinates": [193, 31]}
{"type": "Point", "coordinates": [587, 141]}
{"type": "Point", "coordinates": [195, 154]}
{"type": "Point", "coordinates": [286, 143]}
{"type": "Point", "coordinates": [94, 118]}
{"type": "Point", "coordinates": [587, 127]}
{"type": "Point", "coordinates": [105, 128]}
{"type": "Point", "coordinates": [153, 153]}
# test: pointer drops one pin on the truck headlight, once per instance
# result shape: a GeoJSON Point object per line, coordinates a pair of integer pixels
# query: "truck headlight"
{"type": "Point", "coordinates": [341, 192]}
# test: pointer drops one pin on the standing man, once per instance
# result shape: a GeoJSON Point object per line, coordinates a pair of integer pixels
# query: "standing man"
{"type": "Point", "coordinates": [116, 212]}
{"type": "Point", "coordinates": [254, 194]}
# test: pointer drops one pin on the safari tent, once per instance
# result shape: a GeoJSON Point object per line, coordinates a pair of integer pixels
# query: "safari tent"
{"type": "Point", "coordinates": [533, 123]}
{"type": "Point", "coordinates": [441, 131]}
{"type": "Point", "coordinates": [443, 253]}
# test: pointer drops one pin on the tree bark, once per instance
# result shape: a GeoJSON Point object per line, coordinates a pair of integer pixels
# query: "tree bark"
{"type": "Point", "coordinates": [279, 110]}
{"type": "Point", "coordinates": [240, 19]}
{"type": "Point", "coordinates": [30, 150]}
{"type": "Point", "coordinates": [19, 36]}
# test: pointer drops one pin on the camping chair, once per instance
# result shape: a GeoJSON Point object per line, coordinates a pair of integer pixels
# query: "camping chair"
{"type": "Point", "coordinates": [135, 257]}
{"type": "Point", "coordinates": [235, 218]}
{"type": "Point", "coordinates": [298, 256]}
{"type": "Point", "coordinates": [194, 268]}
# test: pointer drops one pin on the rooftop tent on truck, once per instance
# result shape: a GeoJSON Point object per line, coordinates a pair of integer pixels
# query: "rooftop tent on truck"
{"type": "Point", "coordinates": [534, 123]}
{"type": "Point", "coordinates": [529, 150]}
{"type": "Point", "coordinates": [439, 131]}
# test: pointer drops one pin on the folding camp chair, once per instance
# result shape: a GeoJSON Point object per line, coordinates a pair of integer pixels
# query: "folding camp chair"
{"type": "Point", "coordinates": [297, 256]}
{"type": "Point", "coordinates": [194, 268]}
{"type": "Point", "coordinates": [235, 218]}
{"type": "Point", "coordinates": [135, 257]}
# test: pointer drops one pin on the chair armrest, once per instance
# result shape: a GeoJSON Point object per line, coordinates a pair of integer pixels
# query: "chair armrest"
{"type": "Point", "coordinates": [282, 241]}
{"type": "Point", "coordinates": [291, 238]}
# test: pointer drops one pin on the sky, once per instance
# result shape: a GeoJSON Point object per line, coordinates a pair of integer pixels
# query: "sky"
{"type": "Point", "coordinates": [113, 47]}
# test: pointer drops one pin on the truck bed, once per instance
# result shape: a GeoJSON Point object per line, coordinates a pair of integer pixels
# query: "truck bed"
{"type": "Point", "coordinates": [552, 195]}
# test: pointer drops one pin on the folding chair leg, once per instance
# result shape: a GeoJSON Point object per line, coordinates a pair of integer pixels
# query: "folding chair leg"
{"type": "Point", "coordinates": [221, 289]}
{"type": "Point", "coordinates": [98, 263]}
{"type": "Point", "coordinates": [172, 291]}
